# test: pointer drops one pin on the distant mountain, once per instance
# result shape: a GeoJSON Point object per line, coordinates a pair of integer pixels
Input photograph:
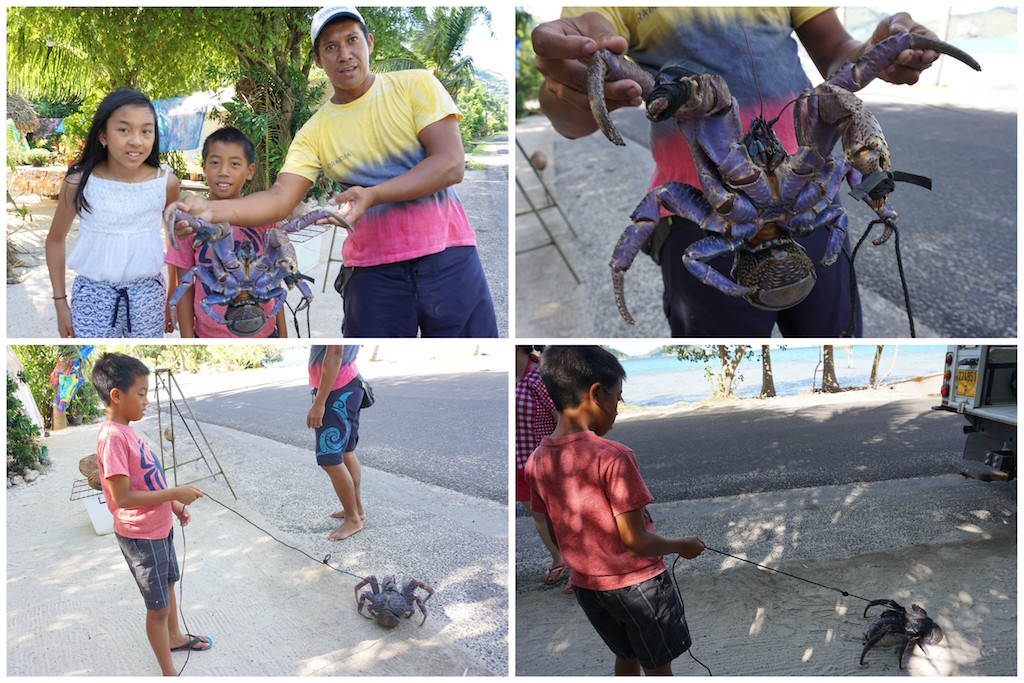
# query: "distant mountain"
{"type": "Point", "coordinates": [494, 83]}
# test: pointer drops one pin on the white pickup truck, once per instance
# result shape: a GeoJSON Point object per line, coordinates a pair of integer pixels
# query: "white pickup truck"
{"type": "Point", "coordinates": [980, 383]}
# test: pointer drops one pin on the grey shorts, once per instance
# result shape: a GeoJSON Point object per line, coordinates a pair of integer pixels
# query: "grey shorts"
{"type": "Point", "coordinates": [154, 566]}
{"type": "Point", "coordinates": [644, 621]}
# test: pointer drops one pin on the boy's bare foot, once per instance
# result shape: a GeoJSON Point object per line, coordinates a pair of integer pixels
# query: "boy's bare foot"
{"type": "Point", "coordinates": [345, 530]}
{"type": "Point", "coordinates": [341, 515]}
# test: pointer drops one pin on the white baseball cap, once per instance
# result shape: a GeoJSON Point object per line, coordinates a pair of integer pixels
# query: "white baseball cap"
{"type": "Point", "coordinates": [323, 16]}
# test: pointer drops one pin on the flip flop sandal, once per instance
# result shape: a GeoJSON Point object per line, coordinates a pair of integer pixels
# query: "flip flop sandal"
{"type": "Point", "coordinates": [554, 574]}
{"type": "Point", "coordinates": [568, 586]}
{"type": "Point", "coordinates": [192, 642]}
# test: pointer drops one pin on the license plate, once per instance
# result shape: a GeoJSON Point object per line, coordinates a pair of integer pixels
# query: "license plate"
{"type": "Point", "coordinates": [965, 382]}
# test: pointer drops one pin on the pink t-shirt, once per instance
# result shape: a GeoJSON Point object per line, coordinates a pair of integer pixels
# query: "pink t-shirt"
{"type": "Point", "coordinates": [346, 372]}
{"type": "Point", "coordinates": [121, 451]}
{"type": "Point", "coordinates": [184, 256]}
{"type": "Point", "coordinates": [582, 481]}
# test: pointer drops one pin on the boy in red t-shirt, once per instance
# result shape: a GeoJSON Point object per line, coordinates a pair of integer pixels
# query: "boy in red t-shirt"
{"type": "Point", "coordinates": [136, 490]}
{"type": "Point", "coordinates": [591, 490]}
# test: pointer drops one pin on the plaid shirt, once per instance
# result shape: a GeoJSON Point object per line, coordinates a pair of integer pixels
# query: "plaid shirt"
{"type": "Point", "coordinates": [534, 414]}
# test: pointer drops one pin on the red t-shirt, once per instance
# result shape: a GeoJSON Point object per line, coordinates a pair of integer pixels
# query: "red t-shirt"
{"type": "Point", "coordinates": [582, 481]}
{"type": "Point", "coordinates": [121, 451]}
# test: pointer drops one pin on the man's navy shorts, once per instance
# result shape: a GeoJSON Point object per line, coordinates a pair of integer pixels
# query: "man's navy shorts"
{"type": "Point", "coordinates": [644, 621]}
{"type": "Point", "coordinates": [339, 432]}
{"type": "Point", "coordinates": [440, 295]}
{"type": "Point", "coordinates": [698, 310]}
{"type": "Point", "coordinates": [154, 566]}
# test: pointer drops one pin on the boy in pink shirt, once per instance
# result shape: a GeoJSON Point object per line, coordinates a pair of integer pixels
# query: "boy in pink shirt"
{"type": "Point", "coordinates": [229, 161]}
{"type": "Point", "coordinates": [591, 490]}
{"type": "Point", "coordinates": [136, 490]}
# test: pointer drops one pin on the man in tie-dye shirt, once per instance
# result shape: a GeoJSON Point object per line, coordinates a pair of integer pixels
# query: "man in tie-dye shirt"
{"type": "Point", "coordinates": [392, 141]}
{"type": "Point", "coordinates": [710, 40]}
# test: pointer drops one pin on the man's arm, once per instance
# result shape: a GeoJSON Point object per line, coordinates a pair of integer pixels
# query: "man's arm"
{"type": "Point", "coordinates": [444, 166]}
{"type": "Point", "coordinates": [643, 543]}
{"type": "Point", "coordinates": [254, 210]}
{"type": "Point", "coordinates": [562, 48]}
{"type": "Point", "coordinates": [829, 45]}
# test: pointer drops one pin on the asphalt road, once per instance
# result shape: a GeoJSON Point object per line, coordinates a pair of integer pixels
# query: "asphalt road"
{"type": "Point", "coordinates": [744, 448]}
{"type": "Point", "coordinates": [446, 430]}
{"type": "Point", "coordinates": [958, 241]}
{"type": "Point", "coordinates": [725, 451]}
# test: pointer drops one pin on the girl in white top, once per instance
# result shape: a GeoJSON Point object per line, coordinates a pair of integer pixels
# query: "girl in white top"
{"type": "Point", "coordinates": [119, 190]}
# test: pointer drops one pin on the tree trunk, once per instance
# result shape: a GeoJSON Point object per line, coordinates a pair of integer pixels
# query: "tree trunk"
{"type": "Point", "coordinates": [873, 381]}
{"type": "Point", "coordinates": [373, 356]}
{"type": "Point", "coordinates": [829, 383]}
{"type": "Point", "coordinates": [767, 379]}
{"type": "Point", "coordinates": [729, 366]}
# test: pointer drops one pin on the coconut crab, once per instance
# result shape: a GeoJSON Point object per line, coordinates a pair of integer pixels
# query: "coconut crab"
{"type": "Point", "coordinates": [388, 605]}
{"type": "Point", "coordinates": [915, 627]}
{"type": "Point", "coordinates": [754, 196]}
{"type": "Point", "coordinates": [242, 280]}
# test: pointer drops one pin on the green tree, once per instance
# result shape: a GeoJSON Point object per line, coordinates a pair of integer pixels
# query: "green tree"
{"type": "Point", "coordinates": [69, 54]}
{"type": "Point", "coordinates": [438, 46]}
{"type": "Point", "coordinates": [528, 79]}
{"type": "Point", "coordinates": [728, 360]}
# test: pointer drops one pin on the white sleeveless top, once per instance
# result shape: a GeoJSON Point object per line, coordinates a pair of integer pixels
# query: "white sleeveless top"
{"type": "Point", "coordinates": [121, 238]}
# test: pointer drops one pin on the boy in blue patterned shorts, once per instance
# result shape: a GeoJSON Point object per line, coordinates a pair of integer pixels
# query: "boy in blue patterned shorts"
{"type": "Point", "coordinates": [337, 397]}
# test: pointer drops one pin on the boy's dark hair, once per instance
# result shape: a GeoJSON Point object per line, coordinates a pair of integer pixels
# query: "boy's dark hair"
{"type": "Point", "coordinates": [116, 371]}
{"type": "Point", "coordinates": [94, 152]}
{"type": "Point", "coordinates": [232, 135]}
{"type": "Point", "coordinates": [569, 371]}
{"type": "Point", "coordinates": [344, 17]}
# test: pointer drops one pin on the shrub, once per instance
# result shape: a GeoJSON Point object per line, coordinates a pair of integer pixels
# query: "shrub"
{"type": "Point", "coordinates": [36, 157]}
{"type": "Point", "coordinates": [23, 447]}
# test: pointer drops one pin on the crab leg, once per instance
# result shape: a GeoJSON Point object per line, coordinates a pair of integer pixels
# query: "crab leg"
{"type": "Point", "coordinates": [853, 76]}
{"type": "Point", "coordinates": [607, 66]}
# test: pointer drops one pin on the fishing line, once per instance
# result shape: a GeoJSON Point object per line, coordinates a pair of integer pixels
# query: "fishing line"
{"type": "Point", "coordinates": [324, 561]}
{"type": "Point", "coordinates": [777, 571]}
{"type": "Point", "coordinates": [181, 611]}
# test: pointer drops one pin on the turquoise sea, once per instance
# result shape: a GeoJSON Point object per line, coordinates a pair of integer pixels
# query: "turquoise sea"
{"type": "Point", "coordinates": [664, 381]}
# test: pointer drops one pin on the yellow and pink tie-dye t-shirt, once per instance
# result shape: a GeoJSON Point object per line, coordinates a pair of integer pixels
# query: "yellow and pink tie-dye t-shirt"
{"type": "Point", "coordinates": [371, 140]}
{"type": "Point", "coordinates": [711, 40]}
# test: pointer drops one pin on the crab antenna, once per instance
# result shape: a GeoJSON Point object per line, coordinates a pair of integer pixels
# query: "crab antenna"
{"type": "Point", "coordinates": [754, 71]}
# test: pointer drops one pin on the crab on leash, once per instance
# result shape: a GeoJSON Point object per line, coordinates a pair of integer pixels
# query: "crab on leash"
{"type": "Point", "coordinates": [913, 628]}
{"type": "Point", "coordinates": [388, 604]}
{"type": "Point", "coordinates": [241, 279]}
{"type": "Point", "coordinates": [755, 198]}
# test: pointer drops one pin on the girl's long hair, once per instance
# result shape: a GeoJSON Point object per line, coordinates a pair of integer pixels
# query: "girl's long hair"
{"type": "Point", "coordinates": [94, 152]}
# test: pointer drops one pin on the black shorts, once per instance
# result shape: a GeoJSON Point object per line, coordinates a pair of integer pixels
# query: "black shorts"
{"type": "Point", "coordinates": [644, 621]}
{"type": "Point", "coordinates": [154, 566]}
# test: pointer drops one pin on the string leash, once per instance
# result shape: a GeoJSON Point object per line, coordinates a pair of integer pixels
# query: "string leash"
{"type": "Point", "coordinates": [181, 578]}
{"type": "Point", "coordinates": [845, 594]}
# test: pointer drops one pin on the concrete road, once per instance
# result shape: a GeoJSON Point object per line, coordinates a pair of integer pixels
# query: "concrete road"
{"type": "Point", "coordinates": [958, 242]}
